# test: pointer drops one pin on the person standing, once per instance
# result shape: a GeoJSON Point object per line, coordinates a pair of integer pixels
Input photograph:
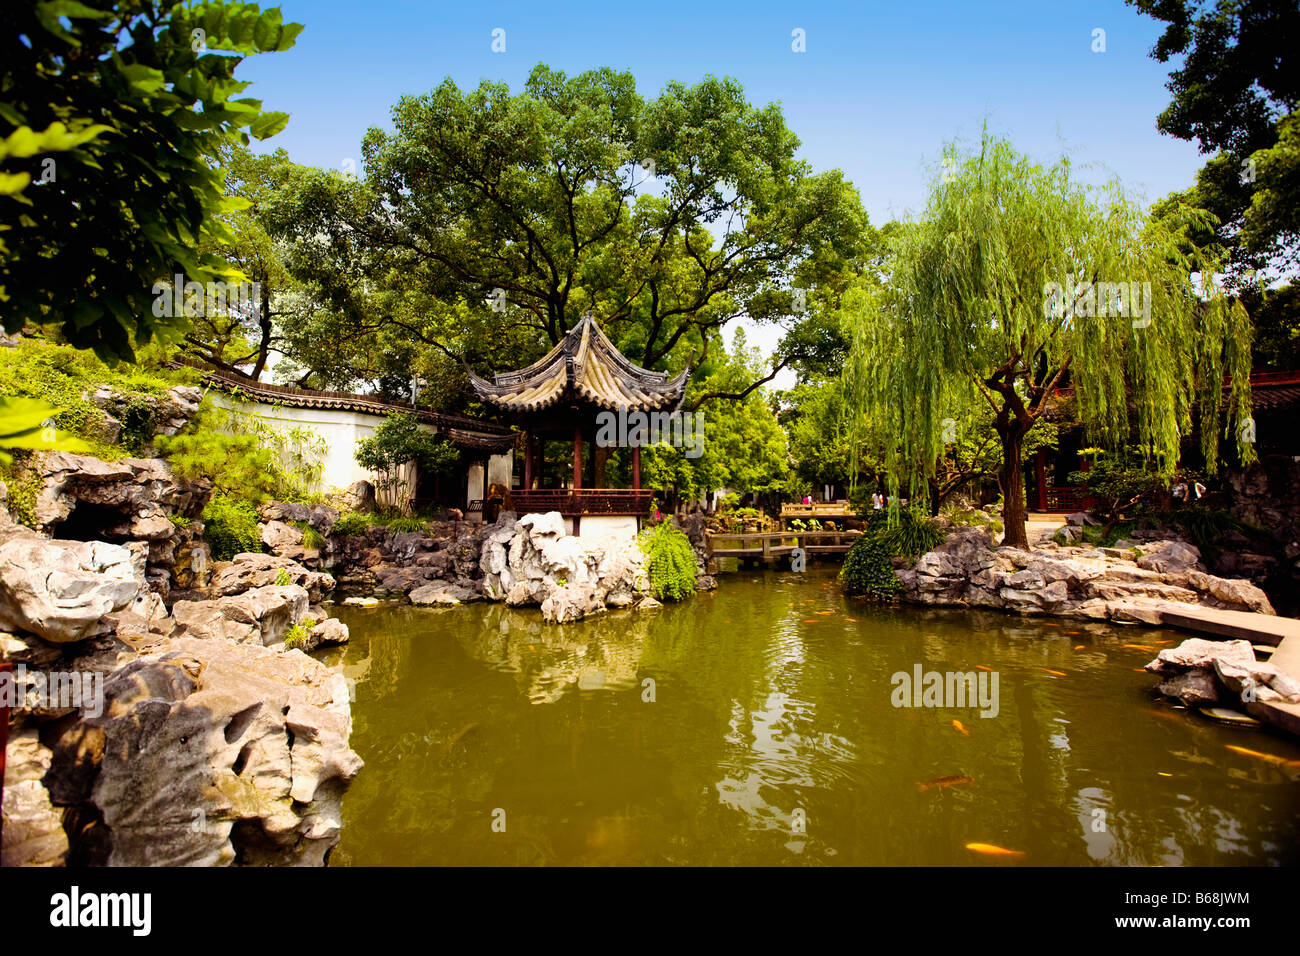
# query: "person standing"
{"type": "Point", "coordinates": [1180, 492]}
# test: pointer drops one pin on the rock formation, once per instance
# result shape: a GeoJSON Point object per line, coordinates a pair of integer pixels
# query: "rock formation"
{"type": "Point", "coordinates": [533, 561]}
{"type": "Point", "coordinates": [1099, 583]}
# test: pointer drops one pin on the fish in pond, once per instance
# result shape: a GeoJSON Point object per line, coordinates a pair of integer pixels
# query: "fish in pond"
{"type": "Point", "coordinates": [1274, 759]}
{"type": "Point", "coordinates": [812, 620]}
{"type": "Point", "coordinates": [1138, 647]}
{"type": "Point", "coordinates": [957, 726]}
{"type": "Point", "coordinates": [1078, 647]}
{"type": "Point", "coordinates": [825, 612]}
{"type": "Point", "coordinates": [944, 782]}
{"type": "Point", "coordinates": [1055, 673]}
{"type": "Point", "coordinates": [988, 849]}
{"type": "Point", "coordinates": [851, 620]}
{"type": "Point", "coordinates": [981, 667]}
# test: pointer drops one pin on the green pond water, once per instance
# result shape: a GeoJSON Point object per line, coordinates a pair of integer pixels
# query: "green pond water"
{"type": "Point", "coordinates": [773, 739]}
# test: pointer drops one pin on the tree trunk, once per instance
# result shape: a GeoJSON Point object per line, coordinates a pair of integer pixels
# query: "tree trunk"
{"type": "Point", "coordinates": [1012, 479]}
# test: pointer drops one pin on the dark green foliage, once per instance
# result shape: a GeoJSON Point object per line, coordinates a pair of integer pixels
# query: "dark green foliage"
{"type": "Point", "coordinates": [1205, 527]}
{"type": "Point", "coordinates": [670, 562]}
{"type": "Point", "coordinates": [398, 440]}
{"type": "Point", "coordinates": [350, 524]}
{"type": "Point", "coordinates": [239, 466]}
{"type": "Point", "coordinates": [112, 114]}
{"type": "Point", "coordinates": [1121, 482]}
{"type": "Point", "coordinates": [230, 525]}
{"type": "Point", "coordinates": [868, 567]}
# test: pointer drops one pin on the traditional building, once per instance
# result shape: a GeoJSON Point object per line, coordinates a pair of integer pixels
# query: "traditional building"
{"type": "Point", "coordinates": [342, 419]}
{"type": "Point", "coordinates": [558, 398]}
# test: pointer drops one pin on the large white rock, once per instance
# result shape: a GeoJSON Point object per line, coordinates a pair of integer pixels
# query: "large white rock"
{"type": "Point", "coordinates": [62, 590]}
{"type": "Point", "coordinates": [212, 753]}
{"type": "Point", "coordinates": [535, 562]}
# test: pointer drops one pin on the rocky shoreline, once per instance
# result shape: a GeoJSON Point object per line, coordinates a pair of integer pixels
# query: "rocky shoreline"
{"type": "Point", "coordinates": [173, 667]}
{"type": "Point", "coordinates": [1111, 584]}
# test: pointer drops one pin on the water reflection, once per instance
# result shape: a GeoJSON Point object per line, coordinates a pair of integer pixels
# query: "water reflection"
{"type": "Point", "coordinates": [712, 732]}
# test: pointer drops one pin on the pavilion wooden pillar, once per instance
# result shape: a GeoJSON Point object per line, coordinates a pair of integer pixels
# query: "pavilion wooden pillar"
{"type": "Point", "coordinates": [1040, 477]}
{"type": "Point", "coordinates": [636, 467]}
{"type": "Point", "coordinates": [577, 457]}
{"type": "Point", "coordinates": [528, 461]}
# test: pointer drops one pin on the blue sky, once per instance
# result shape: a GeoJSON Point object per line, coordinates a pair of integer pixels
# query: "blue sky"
{"type": "Point", "coordinates": [878, 91]}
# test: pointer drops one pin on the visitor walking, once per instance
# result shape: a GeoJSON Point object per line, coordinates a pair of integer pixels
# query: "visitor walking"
{"type": "Point", "coordinates": [1180, 492]}
{"type": "Point", "coordinates": [877, 501]}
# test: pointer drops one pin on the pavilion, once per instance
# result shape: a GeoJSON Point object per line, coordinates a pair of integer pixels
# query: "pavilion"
{"type": "Point", "coordinates": [558, 397]}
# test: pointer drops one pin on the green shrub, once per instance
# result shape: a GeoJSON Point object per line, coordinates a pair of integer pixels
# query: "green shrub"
{"type": "Point", "coordinates": [230, 525]}
{"type": "Point", "coordinates": [670, 562]}
{"type": "Point", "coordinates": [312, 539]}
{"type": "Point", "coordinates": [868, 567]}
{"type": "Point", "coordinates": [351, 523]}
{"type": "Point", "coordinates": [404, 525]}
{"type": "Point", "coordinates": [282, 578]}
{"type": "Point", "coordinates": [297, 634]}
{"type": "Point", "coordinates": [239, 466]}
{"type": "Point", "coordinates": [24, 485]}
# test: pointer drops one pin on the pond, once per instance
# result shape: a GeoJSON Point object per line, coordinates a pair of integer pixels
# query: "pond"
{"type": "Point", "coordinates": [756, 725]}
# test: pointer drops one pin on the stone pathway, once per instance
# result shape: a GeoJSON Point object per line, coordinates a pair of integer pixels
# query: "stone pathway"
{"type": "Point", "coordinates": [1040, 527]}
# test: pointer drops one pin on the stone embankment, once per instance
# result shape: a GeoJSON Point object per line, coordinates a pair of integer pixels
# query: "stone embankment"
{"type": "Point", "coordinates": [1124, 585]}
{"type": "Point", "coordinates": [143, 736]}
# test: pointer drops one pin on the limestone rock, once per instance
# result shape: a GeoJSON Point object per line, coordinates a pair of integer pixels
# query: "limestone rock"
{"type": "Point", "coordinates": [282, 540]}
{"type": "Point", "coordinates": [250, 570]}
{"type": "Point", "coordinates": [61, 590]}
{"type": "Point", "coordinates": [32, 827]}
{"type": "Point", "coordinates": [252, 745]}
{"type": "Point", "coordinates": [1169, 556]}
{"type": "Point", "coordinates": [259, 616]}
{"type": "Point", "coordinates": [443, 593]}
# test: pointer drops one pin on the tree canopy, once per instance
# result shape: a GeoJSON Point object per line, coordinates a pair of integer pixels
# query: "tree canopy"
{"type": "Point", "coordinates": [112, 114]}
{"type": "Point", "coordinates": [489, 221]}
{"type": "Point", "coordinates": [1016, 276]}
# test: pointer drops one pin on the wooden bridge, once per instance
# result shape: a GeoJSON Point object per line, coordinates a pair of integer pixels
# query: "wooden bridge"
{"type": "Point", "coordinates": [770, 547]}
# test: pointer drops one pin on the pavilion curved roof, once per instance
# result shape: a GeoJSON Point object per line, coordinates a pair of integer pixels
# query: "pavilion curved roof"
{"type": "Point", "coordinates": [585, 366]}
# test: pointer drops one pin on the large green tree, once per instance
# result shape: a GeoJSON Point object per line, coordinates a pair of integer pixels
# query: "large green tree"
{"type": "Point", "coordinates": [495, 219]}
{"type": "Point", "coordinates": [1015, 277]}
{"type": "Point", "coordinates": [1235, 93]}
{"type": "Point", "coordinates": [112, 114]}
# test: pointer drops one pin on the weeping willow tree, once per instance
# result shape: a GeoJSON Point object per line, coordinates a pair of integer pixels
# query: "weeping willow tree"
{"type": "Point", "coordinates": [1016, 277]}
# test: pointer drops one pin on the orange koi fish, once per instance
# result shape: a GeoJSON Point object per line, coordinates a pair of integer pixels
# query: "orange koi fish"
{"type": "Point", "coordinates": [981, 667]}
{"type": "Point", "coordinates": [1274, 759]}
{"type": "Point", "coordinates": [988, 849]}
{"type": "Point", "coordinates": [1078, 647]}
{"type": "Point", "coordinates": [1137, 647]}
{"type": "Point", "coordinates": [956, 725]}
{"type": "Point", "coordinates": [1056, 673]}
{"type": "Point", "coordinates": [943, 783]}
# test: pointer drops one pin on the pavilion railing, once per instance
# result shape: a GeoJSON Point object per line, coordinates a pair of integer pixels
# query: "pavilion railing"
{"type": "Point", "coordinates": [583, 501]}
{"type": "Point", "coordinates": [1068, 499]}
